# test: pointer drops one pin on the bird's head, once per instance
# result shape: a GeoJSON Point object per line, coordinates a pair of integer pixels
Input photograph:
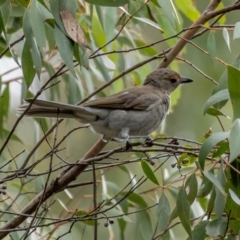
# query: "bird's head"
{"type": "Point", "coordinates": [165, 80]}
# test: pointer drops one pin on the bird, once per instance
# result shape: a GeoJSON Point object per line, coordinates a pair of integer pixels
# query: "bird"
{"type": "Point", "coordinates": [132, 113]}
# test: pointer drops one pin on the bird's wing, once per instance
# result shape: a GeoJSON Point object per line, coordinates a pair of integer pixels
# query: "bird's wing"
{"type": "Point", "coordinates": [138, 98]}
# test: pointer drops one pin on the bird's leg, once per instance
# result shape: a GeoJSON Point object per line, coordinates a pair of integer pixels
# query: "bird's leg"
{"type": "Point", "coordinates": [123, 135]}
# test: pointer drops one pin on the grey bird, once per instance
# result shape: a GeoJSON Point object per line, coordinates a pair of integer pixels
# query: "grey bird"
{"type": "Point", "coordinates": [132, 113]}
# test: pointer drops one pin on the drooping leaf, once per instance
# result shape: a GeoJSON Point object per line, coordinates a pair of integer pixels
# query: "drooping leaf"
{"type": "Point", "coordinates": [215, 182]}
{"type": "Point", "coordinates": [4, 103]}
{"type": "Point", "coordinates": [30, 41]}
{"type": "Point", "coordinates": [183, 209]}
{"type": "Point", "coordinates": [136, 198]}
{"type": "Point", "coordinates": [205, 187]}
{"type": "Point", "coordinates": [234, 89]}
{"type": "Point", "coordinates": [163, 213]}
{"type": "Point", "coordinates": [236, 32]}
{"type": "Point", "coordinates": [234, 197]}
{"type": "Point", "coordinates": [226, 38]}
{"type": "Point", "coordinates": [209, 143]}
{"type": "Point", "coordinates": [149, 172]}
{"type": "Point", "coordinates": [217, 97]}
{"type": "Point", "coordinates": [216, 112]}
{"type": "Point", "coordinates": [27, 65]}
{"type": "Point", "coordinates": [220, 200]}
{"type": "Point", "coordinates": [222, 148]}
{"type": "Point", "coordinates": [65, 47]}
{"type": "Point", "coordinates": [192, 186]}
{"type": "Point", "coordinates": [234, 140]}
{"type": "Point", "coordinates": [37, 25]}
{"type": "Point", "coordinates": [211, 45]}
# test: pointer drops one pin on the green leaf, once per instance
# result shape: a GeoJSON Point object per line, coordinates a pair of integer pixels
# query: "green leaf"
{"type": "Point", "coordinates": [149, 172]}
{"type": "Point", "coordinates": [216, 112]}
{"type": "Point", "coordinates": [234, 197]}
{"type": "Point", "coordinates": [65, 47]}
{"type": "Point", "coordinates": [110, 3]}
{"type": "Point", "coordinates": [205, 187]}
{"type": "Point", "coordinates": [215, 182]}
{"type": "Point", "coordinates": [145, 225]}
{"type": "Point", "coordinates": [136, 198]}
{"type": "Point", "coordinates": [211, 44]}
{"type": "Point", "coordinates": [5, 133]}
{"type": "Point", "coordinates": [168, 11]}
{"type": "Point", "coordinates": [6, 11]}
{"type": "Point", "coordinates": [234, 89]}
{"type": "Point", "coordinates": [55, 9]}
{"type": "Point", "coordinates": [81, 56]}
{"type": "Point", "coordinates": [36, 57]}
{"type": "Point", "coordinates": [192, 184]}
{"type": "Point", "coordinates": [226, 38]}
{"type": "Point", "coordinates": [199, 231]}
{"type": "Point", "coordinates": [217, 97]}
{"type": "Point", "coordinates": [222, 148]}
{"type": "Point", "coordinates": [236, 31]}
{"type": "Point", "coordinates": [188, 8]}
{"type": "Point", "coordinates": [234, 140]}
{"type": "Point", "coordinates": [145, 20]}
{"type": "Point", "coordinates": [4, 103]}
{"type": "Point", "coordinates": [209, 144]}
{"type": "Point", "coordinates": [211, 201]}
{"type": "Point", "coordinates": [27, 65]}
{"type": "Point", "coordinates": [24, 3]}
{"type": "Point", "coordinates": [183, 209]}
{"type": "Point", "coordinates": [163, 213]}
{"type": "Point", "coordinates": [216, 228]}
{"type": "Point", "coordinates": [220, 200]}
{"type": "Point", "coordinates": [37, 24]}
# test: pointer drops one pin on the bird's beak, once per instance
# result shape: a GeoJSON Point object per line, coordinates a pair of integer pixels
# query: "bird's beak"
{"type": "Point", "coordinates": [185, 80]}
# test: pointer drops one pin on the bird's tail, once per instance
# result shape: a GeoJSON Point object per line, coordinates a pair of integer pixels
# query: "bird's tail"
{"type": "Point", "coordinates": [49, 109]}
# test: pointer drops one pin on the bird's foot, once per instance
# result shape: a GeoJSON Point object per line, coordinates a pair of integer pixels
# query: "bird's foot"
{"type": "Point", "coordinates": [148, 142]}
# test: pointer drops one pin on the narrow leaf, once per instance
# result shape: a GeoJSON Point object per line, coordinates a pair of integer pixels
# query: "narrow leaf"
{"type": "Point", "coordinates": [65, 47]}
{"type": "Point", "coordinates": [220, 200]}
{"type": "Point", "coordinates": [183, 209]}
{"type": "Point", "coordinates": [226, 38]}
{"type": "Point", "coordinates": [163, 213]}
{"type": "Point", "coordinates": [234, 197]}
{"type": "Point", "coordinates": [234, 140]}
{"type": "Point", "coordinates": [37, 25]}
{"type": "Point", "coordinates": [27, 65]}
{"type": "Point", "coordinates": [205, 188]}
{"type": "Point", "coordinates": [236, 32]}
{"type": "Point", "coordinates": [149, 172]}
{"type": "Point", "coordinates": [211, 44]}
{"type": "Point", "coordinates": [217, 97]}
{"type": "Point", "coordinates": [215, 182]}
{"type": "Point", "coordinates": [234, 89]}
{"type": "Point", "coordinates": [209, 144]}
{"type": "Point", "coordinates": [191, 183]}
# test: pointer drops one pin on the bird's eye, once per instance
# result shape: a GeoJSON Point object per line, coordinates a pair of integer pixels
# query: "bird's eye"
{"type": "Point", "coordinates": [173, 80]}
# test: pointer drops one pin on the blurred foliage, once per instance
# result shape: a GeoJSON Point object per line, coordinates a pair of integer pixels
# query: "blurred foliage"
{"type": "Point", "coordinates": [192, 190]}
